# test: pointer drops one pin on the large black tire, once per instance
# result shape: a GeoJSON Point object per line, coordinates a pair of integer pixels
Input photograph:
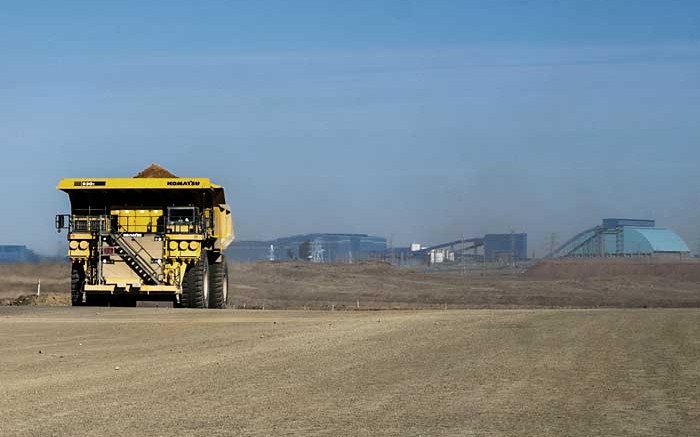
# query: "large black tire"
{"type": "Point", "coordinates": [77, 282]}
{"type": "Point", "coordinates": [195, 285]}
{"type": "Point", "coordinates": [218, 284]}
{"type": "Point", "coordinates": [185, 295]}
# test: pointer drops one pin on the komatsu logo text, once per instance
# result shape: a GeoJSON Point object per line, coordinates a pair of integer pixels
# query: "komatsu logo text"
{"type": "Point", "coordinates": [188, 183]}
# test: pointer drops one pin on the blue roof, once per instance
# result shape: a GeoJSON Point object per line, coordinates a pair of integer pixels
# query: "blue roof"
{"type": "Point", "coordinates": [612, 223]}
{"type": "Point", "coordinates": [659, 239]}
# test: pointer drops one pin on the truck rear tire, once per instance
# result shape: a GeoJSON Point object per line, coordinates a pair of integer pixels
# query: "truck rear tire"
{"type": "Point", "coordinates": [195, 285]}
{"type": "Point", "coordinates": [218, 283]}
{"type": "Point", "coordinates": [77, 282]}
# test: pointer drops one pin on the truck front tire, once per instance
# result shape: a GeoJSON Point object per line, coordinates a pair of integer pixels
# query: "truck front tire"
{"type": "Point", "coordinates": [195, 285]}
{"type": "Point", "coordinates": [218, 292]}
{"type": "Point", "coordinates": [77, 282]}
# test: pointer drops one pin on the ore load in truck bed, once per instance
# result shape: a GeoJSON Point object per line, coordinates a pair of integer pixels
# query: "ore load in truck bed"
{"type": "Point", "coordinates": [155, 171]}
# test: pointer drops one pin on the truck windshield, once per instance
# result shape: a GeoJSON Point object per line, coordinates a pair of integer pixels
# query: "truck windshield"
{"type": "Point", "coordinates": [183, 219]}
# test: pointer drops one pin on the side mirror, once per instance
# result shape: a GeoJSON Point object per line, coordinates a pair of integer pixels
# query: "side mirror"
{"type": "Point", "coordinates": [60, 222]}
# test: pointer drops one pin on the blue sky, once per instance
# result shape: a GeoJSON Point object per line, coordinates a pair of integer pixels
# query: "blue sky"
{"type": "Point", "coordinates": [420, 121]}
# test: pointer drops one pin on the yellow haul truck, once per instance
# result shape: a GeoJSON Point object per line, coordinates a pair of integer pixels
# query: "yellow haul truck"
{"type": "Point", "coordinates": [147, 239]}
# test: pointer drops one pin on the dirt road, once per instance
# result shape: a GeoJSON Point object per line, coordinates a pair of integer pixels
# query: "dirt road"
{"type": "Point", "coordinates": [164, 372]}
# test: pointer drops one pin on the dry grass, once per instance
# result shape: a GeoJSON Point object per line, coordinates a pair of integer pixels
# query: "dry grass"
{"type": "Point", "coordinates": [687, 269]}
{"type": "Point", "coordinates": [323, 286]}
{"type": "Point", "coordinates": [380, 286]}
{"type": "Point", "coordinates": [18, 283]}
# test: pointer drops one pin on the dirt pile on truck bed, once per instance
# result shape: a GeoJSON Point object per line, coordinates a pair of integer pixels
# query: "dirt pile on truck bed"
{"type": "Point", "coordinates": [155, 171]}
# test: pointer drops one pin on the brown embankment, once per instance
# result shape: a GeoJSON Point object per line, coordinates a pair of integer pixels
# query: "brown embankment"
{"type": "Point", "coordinates": [300, 285]}
{"type": "Point", "coordinates": [674, 269]}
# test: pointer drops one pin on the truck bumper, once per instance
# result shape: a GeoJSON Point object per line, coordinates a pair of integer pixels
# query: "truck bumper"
{"type": "Point", "coordinates": [127, 288]}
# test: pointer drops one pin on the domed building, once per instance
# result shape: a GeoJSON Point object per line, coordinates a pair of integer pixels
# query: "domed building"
{"type": "Point", "coordinates": [624, 237]}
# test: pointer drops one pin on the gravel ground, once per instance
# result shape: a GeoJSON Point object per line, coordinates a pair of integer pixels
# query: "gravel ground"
{"type": "Point", "coordinates": [163, 372]}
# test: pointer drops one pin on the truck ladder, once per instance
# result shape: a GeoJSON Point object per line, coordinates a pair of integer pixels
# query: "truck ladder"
{"type": "Point", "coordinates": [134, 259]}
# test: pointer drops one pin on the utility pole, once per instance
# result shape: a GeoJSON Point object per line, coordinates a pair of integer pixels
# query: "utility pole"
{"type": "Point", "coordinates": [553, 243]}
{"type": "Point", "coordinates": [464, 267]}
{"type": "Point", "coordinates": [391, 250]}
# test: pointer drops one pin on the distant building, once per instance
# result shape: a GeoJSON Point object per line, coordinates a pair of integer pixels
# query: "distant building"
{"type": "Point", "coordinates": [342, 248]}
{"type": "Point", "coordinates": [509, 248]}
{"type": "Point", "coordinates": [16, 254]}
{"type": "Point", "coordinates": [624, 237]}
{"type": "Point", "coordinates": [415, 247]}
{"type": "Point", "coordinates": [438, 256]}
{"type": "Point", "coordinates": [505, 247]}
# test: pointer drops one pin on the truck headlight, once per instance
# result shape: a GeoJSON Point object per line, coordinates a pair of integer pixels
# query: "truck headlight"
{"type": "Point", "coordinates": [194, 245]}
{"type": "Point", "coordinates": [73, 245]}
{"type": "Point", "coordinates": [84, 245]}
{"type": "Point", "coordinates": [183, 245]}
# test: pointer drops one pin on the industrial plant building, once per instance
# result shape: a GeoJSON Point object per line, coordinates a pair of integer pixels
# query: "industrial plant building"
{"type": "Point", "coordinates": [329, 248]}
{"type": "Point", "coordinates": [507, 248]}
{"type": "Point", "coordinates": [347, 248]}
{"type": "Point", "coordinates": [624, 237]}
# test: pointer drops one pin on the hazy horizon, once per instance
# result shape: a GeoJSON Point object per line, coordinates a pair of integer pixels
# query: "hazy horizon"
{"type": "Point", "coordinates": [420, 122]}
